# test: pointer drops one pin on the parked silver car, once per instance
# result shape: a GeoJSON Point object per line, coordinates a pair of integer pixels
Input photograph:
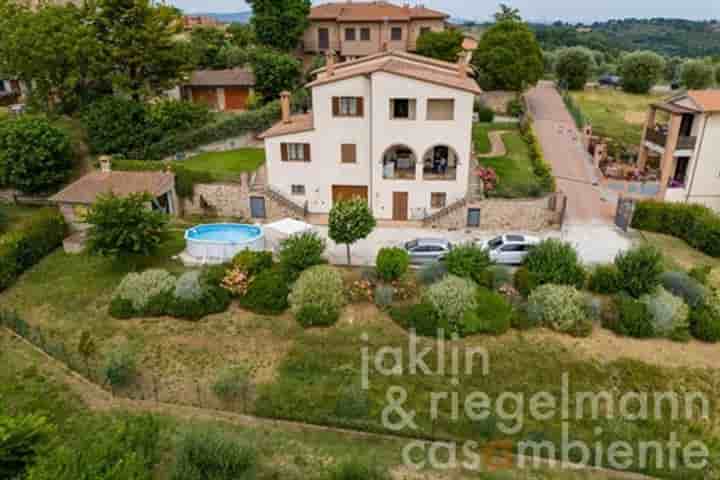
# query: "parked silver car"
{"type": "Point", "coordinates": [427, 250]}
{"type": "Point", "coordinates": [509, 249]}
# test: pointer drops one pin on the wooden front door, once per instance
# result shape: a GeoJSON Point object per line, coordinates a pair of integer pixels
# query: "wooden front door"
{"type": "Point", "coordinates": [400, 205]}
{"type": "Point", "coordinates": [348, 192]}
{"type": "Point", "coordinates": [236, 98]}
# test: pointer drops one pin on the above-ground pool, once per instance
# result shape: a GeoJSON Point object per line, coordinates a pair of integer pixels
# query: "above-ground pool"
{"type": "Point", "coordinates": [220, 242]}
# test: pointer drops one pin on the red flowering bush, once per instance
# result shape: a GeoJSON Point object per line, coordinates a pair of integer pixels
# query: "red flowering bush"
{"type": "Point", "coordinates": [489, 178]}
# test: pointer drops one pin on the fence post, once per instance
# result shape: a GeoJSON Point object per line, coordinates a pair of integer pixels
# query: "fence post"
{"type": "Point", "coordinates": [155, 389]}
{"type": "Point", "coordinates": [197, 386]}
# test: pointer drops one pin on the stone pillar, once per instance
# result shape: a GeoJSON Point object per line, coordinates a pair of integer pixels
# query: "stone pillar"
{"type": "Point", "coordinates": [667, 161]}
{"type": "Point", "coordinates": [649, 123]}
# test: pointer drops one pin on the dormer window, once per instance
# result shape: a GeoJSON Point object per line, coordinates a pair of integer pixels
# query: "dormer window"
{"type": "Point", "coordinates": [347, 106]}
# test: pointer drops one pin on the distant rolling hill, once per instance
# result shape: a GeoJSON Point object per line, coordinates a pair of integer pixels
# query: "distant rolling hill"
{"type": "Point", "coordinates": [237, 17]}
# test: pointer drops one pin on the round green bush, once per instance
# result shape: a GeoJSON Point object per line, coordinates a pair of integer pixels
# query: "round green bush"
{"type": "Point", "coordinates": [320, 287]}
{"type": "Point", "coordinates": [631, 319]}
{"type": "Point", "coordinates": [120, 366]}
{"type": "Point", "coordinates": [559, 307]}
{"type": "Point", "coordinates": [315, 316]}
{"type": "Point", "coordinates": [684, 286]}
{"type": "Point", "coordinates": [420, 317]}
{"type": "Point", "coordinates": [300, 252]}
{"type": "Point", "coordinates": [521, 281]}
{"type": "Point", "coordinates": [451, 298]}
{"type": "Point", "coordinates": [392, 263]}
{"type": "Point", "coordinates": [492, 315]}
{"type": "Point", "coordinates": [468, 261]}
{"type": "Point", "coordinates": [556, 262]}
{"type": "Point", "coordinates": [605, 279]}
{"type": "Point", "coordinates": [146, 292]}
{"type": "Point", "coordinates": [705, 320]}
{"type": "Point", "coordinates": [252, 262]}
{"type": "Point", "coordinates": [640, 269]}
{"type": "Point", "coordinates": [668, 314]}
{"type": "Point", "coordinates": [209, 300]}
{"type": "Point", "coordinates": [485, 114]}
{"type": "Point", "coordinates": [211, 454]}
{"type": "Point", "coordinates": [267, 293]}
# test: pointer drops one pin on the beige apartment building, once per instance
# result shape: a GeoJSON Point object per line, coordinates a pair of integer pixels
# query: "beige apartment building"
{"type": "Point", "coordinates": [357, 29]}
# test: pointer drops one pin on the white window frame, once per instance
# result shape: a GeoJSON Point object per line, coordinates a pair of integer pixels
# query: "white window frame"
{"type": "Point", "coordinates": [296, 152]}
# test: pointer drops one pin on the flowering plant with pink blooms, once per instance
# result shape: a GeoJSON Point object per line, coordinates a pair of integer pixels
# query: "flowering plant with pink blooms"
{"type": "Point", "coordinates": [489, 178]}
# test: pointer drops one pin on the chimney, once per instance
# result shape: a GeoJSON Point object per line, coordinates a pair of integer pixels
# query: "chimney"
{"type": "Point", "coordinates": [330, 63]}
{"type": "Point", "coordinates": [285, 106]}
{"type": "Point", "coordinates": [105, 163]}
{"type": "Point", "coordinates": [462, 65]}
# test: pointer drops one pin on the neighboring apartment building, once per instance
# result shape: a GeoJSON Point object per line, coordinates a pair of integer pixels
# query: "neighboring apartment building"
{"type": "Point", "coordinates": [356, 29]}
{"type": "Point", "coordinates": [686, 146]}
{"type": "Point", "coordinates": [392, 128]}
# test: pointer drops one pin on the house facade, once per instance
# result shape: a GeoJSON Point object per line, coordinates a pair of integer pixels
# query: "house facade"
{"type": "Point", "coordinates": [356, 29]}
{"type": "Point", "coordinates": [392, 128]}
{"type": "Point", "coordinates": [682, 137]}
{"type": "Point", "coordinates": [221, 90]}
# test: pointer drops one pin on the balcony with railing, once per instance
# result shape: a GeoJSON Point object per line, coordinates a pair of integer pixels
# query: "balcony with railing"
{"type": "Point", "coordinates": [660, 137]}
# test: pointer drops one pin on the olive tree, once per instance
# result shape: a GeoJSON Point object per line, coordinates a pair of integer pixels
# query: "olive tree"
{"type": "Point", "coordinates": [574, 66]}
{"type": "Point", "coordinates": [640, 71]}
{"type": "Point", "coordinates": [696, 75]}
{"type": "Point", "coordinates": [350, 221]}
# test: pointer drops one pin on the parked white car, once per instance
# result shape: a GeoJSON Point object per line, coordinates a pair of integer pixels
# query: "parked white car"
{"type": "Point", "coordinates": [509, 249]}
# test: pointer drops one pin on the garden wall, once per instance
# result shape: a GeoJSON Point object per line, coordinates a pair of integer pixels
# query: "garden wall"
{"type": "Point", "coordinates": [241, 141]}
{"type": "Point", "coordinates": [500, 215]}
{"type": "Point", "coordinates": [497, 100]}
{"type": "Point", "coordinates": [7, 195]}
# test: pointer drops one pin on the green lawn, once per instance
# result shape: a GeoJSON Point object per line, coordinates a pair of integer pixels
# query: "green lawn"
{"type": "Point", "coordinates": [12, 215]}
{"type": "Point", "coordinates": [615, 114]}
{"type": "Point", "coordinates": [678, 255]}
{"type": "Point", "coordinates": [514, 170]}
{"type": "Point", "coordinates": [229, 164]}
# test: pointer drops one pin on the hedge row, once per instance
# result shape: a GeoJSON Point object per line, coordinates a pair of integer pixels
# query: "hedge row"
{"type": "Point", "coordinates": [574, 110]}
{"type": "Point", "coordinates": [541, 168]}
{"type": "Point", "coordinates": [698, 225]}
{"type": "Point", "coordinates": [22, 248]}
{"type": "Point", "coordinates": [185, 180]}
{"type": "Point", "coordinates": [252, 121]}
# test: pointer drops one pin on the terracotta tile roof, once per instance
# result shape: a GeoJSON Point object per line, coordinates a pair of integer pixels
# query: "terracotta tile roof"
{"type": "Point", "coordinates": [298, 124]}
{"type": "Point", "coordinates": [88, 188]}
{"type": "Point", "coordinates": [234, 77]}
{"type": "Point", "coordinates": [403, 64]}
{"type": "Point", "coordinates": [708, 100]}
{"type": "Point", "coordinates": [371, 12]}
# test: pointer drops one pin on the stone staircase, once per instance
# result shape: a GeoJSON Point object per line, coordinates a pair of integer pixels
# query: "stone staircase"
{"type": "Point", "coordinates": [296, 210]}
{"type": "Point", "coordinates": [446, 212]}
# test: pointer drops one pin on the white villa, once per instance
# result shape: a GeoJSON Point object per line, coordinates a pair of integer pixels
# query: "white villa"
{"type": "Point", "coordinates": [393, 128]}
{"type": "Point", "coordinates": [686, 146]}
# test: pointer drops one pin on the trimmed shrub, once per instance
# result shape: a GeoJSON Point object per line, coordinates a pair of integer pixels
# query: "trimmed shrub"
{"type": "Point", "coordinates": [420, 317]}
{"type": "Point", "coordinates": [252, 262]}
{"type": "Point", "coordinates": [267, 293]}
{"type": "Point", "coordinates": [492, 315]}
{"type": "Point", "coordinates": [698, 225]}
{"type": "Point", "coordinates": [485, 114]}
{"type": "Point", "coordinates": [392, 263]}
{"type": "Point", "coordinates": [668, 314]}
{"type": "Point", "coordinates": [605, 279]}
{"type": "Point", "coordinates": [383, 295]}
{"type": "Point", "coordinates": [559, 307]}
{"type": "Point", "coordinates": [501, 275]}
{"type": "Point", "coordinates": [213, 275]}
{"type": "Point", "coordinates": [632, 319]}
{"type": "Point", "coordinates": [211, 300]}
{"type": "Point", "coordinates": [232, 383]}
{"type": "Point", "coordinates": [147, 293]}
{"type": "Point", "coordinates": [521, 281]}
{"type": "Point", "coordinates": [300, 252]}
{"type": "Point", "coordinates": [34, 238]}
{"type": "Point", "coordinates": [120, 366]}
{"type": "Point", "coordinates": [432, 272]}
{"type": "Point", "coordinates": [452, 297]}
{"type": "Point", "coordinates": [319, 291]}
{"type": "Point", "coordinates": [357, 470]}
{"type": "Point", "coordinates": [640, 269]}
{"type": "Point", "coordinates": [705, 320]}
{"type": "Point", "coordinates": [556, 262]}
{"type": "Point", "coordinates": [684, 286]}
{"type": "Point", "coordinates": [210, 454]}
{"type": "Point", "coordinates": [468, 261]}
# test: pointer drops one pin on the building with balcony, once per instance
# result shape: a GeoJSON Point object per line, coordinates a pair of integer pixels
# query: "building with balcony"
{"type": "Point", "coordinates": [356, 29]}
{"type": "Point", "coordinates": [393, 128]}
{"type": "Point", "coordinates": [682, 139]}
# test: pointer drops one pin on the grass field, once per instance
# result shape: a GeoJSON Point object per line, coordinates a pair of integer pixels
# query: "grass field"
{"type": "Point", "coordinates": [615, 114]}
{"type": "Point", "coordinates": [677, 253]}
{"type": "Point", "coordinates": [229, 164]}
{"type": "Point", "coordinates": [514, 169]}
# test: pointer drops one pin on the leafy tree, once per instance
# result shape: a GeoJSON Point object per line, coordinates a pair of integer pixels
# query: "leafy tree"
{"type": "Point", "coordinates": [231, 56]}
{"type": "Point", "coordinates": [508, 57]}
{"type": "Point", "coordinates": [139, 48]}
{"type": "Point", "coordinates": [696, 75]}
{"type": "Point", "coordinates": [117, 125]}
{"type": "Point", "coordinates": [241, 35]}
{"type": "Point", "coordinates": [350, 221]}
{"type": "Point", "coordinates": [280, 23]}
{"type": "Point", "coordinates": [274, 72]}
{"type": "Point", "coordinates": [125, 226]}
{"type": "Point", "coordinates": [507, 13]}
{"type": "Point", "coordinates": [574, 66]}
{"type": "Point", "coordinates": [207, 42]}
{"type": "Point", "coordinates": [445, 45]}
{"type": "Point", "coordinates": [35, 156]}
{"type": "Point", "coordinates": [20, 439]}
{"type": "Point", "coordinates": [549, 59]}
{"type": "Point", "coordinates": [672, 68]}
{"type": "Point", "coordinates": [640, 71]}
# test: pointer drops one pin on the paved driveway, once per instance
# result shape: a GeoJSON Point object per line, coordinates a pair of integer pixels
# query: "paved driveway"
{"type": "Point", "coordinates": [570, 162]}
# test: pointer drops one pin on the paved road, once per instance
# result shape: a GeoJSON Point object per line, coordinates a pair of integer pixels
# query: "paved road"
{"type": "Point", "coordinates": [571, 165]}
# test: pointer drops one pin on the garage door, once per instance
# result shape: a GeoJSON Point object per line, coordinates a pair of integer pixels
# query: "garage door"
{"type": "Point", "coordinates": [208, 96]}
{"type": "Point", "coordinates": [236, 98]}
{"type": "Point", "coordinates": [348, 192]}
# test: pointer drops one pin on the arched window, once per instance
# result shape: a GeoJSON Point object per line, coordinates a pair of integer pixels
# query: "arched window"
{"type": "Point", "coordinates": [399, 163]}
{"type": "Point", "coordinates": [440, 163]}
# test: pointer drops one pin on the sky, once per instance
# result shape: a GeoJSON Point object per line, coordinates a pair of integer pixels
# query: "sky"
{"type": "Point", "coordinates": [536, 10]}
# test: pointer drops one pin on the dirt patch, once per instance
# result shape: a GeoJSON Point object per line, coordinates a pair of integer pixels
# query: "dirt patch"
{"type": "Point", "coordinates": [635, 118]}
{"type": "Point", "coordinates": [604, 346]}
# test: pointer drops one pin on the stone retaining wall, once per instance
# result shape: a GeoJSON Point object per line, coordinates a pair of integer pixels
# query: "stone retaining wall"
{"type": "Point", "coordinates": [503, 215]}
{"type": "Point", "coordinates": [497, 100]}
{"type": "Point", "coordinates": [7, 195]}
{"type": "Point", "coordinates": [242, 141]}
